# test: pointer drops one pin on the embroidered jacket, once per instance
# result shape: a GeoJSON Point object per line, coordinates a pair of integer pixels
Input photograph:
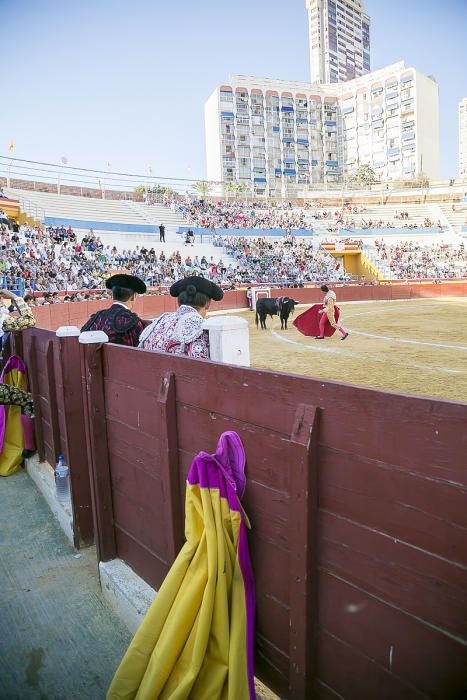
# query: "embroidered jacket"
{"type": "Point", "coordinates": [178, 333]}
{"type": "Point", "coordinates": [122, 326]}
{"type": "Point", "coordinates": [329, 302]}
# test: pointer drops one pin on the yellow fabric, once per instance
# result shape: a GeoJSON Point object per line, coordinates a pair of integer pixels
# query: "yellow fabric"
{"type": "Point", "coordinates": [11, 457]}
{"type": "Point", "coordinates": [192, 642]}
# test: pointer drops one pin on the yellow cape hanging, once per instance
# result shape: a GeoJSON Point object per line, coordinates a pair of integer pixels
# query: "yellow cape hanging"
{"type": "Point", "coordinates": [196, 640]}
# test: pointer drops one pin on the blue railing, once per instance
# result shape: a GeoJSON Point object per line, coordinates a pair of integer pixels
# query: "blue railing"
{"type": "Point", "coordinates": [100, 225]}
{"type": "Point", "coordinates": [13, 284]}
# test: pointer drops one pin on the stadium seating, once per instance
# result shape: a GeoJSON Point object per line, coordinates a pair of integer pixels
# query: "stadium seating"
{"type": "Point", "coordinates": [122, 223]}
{"type": "Point", "coordinates": [457, 218]}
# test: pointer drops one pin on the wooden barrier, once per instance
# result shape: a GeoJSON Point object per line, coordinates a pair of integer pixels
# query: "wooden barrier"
{"type": "Point", "coordinates": [53, 370]}
{"type": "Point", "coordinates": [357, 500]}
{"type": "Point", "coordinates": [77, 313]}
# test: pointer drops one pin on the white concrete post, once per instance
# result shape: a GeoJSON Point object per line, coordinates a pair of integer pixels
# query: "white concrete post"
{"type": "Point", "coordinates": [93, 337]}
{"type": "Point", "coordinates": [67, 332]}
{"type": "Point", "coordinates": [229, 340]}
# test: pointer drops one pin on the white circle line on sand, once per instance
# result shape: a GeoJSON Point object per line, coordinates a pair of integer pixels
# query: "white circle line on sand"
{"type": "Point", "coordinates": [408, 341]}
{"type": "Point", "coordinates": [335, 351]}
{"type": "Point", "coordinates": [318, 348]}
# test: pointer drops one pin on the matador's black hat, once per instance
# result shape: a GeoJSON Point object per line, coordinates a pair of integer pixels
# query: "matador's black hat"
{"type": "Point", "coordinates": [213, 291]}
{"type": "Point", "coordinates": [128, 281]}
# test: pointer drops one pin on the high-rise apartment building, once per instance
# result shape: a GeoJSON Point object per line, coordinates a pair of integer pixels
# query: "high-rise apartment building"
{"type": "Point", "coordinates": [463, 138]}
{"type": "Point", "coordinates": [275, 136]}
{"type": "Point", "coordinates": [339, 40]}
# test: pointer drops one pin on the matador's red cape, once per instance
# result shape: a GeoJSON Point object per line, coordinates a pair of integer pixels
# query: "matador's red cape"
{"type": "Point", "coordinates": [308, 322]}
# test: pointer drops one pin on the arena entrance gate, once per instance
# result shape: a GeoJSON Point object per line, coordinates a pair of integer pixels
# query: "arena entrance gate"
{"type": "Point", "coordinates": [260, 292]}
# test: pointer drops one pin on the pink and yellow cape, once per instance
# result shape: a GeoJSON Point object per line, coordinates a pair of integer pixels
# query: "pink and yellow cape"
{"type": "Point", "coordinates": [196, 640]}
{"type": "Point", "coordinates": [16, 431]}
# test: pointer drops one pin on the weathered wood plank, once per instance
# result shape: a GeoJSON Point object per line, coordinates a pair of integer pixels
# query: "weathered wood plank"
{"type": "Point", "coordinates": [417, 653]}
{"type": "Point", "coordinates": [344, 672]}
{"type": "Point", "coordinates": [98, 457]}
{"type": "Point", "coordinates": [303, 549]}
{"type": "Point", "coordinates": [141, 560]}
{"type": "Point", "coordinates": [419, 583]}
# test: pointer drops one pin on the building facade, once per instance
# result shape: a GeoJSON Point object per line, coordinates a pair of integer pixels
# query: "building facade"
{"type": "Point", "coordinates": [463, 138]}
{"type": "Point", "coordinates": [339, 40]}
{"type": "Point", "coordinates": [278, 137]}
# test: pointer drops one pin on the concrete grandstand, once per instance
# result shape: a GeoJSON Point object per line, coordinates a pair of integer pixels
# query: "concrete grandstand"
{"type": "Point", "coordinates": [127, 219]}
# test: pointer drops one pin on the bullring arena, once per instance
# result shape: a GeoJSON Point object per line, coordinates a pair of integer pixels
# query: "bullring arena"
{"type": "Point", "coordinates": [355, 450]}
{"type": "Point", "coordinates": [415, 346]}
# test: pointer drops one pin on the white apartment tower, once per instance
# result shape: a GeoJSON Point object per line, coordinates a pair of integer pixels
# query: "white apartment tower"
{"type": "Point", "coordinates": [463, 138]}
{"type": "Point", "coordinates": [277, 136]}
{"type": "Point", "coordinates": [339, 40]}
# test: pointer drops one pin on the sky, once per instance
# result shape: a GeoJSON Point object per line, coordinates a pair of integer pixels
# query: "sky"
{"type": "Point", "coordinates": [106, 81]}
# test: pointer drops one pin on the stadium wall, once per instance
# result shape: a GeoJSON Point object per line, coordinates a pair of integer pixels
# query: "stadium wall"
{"type": "Point", "coordinates": [77, 313]}
{"type": "Point", "coordinates": [356, 499]}
{"type": "Point", "coordinates": [99, 225]}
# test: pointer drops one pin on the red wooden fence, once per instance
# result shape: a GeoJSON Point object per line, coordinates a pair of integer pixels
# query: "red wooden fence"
{"type": "Point", "coordinates": [357, 500]}
{"type": "Point", "coordinates": [75, 314]}
{"type": "Point", "coordinates": [53, 371]}
{"type": "Point", "coordinates": [358, 505]}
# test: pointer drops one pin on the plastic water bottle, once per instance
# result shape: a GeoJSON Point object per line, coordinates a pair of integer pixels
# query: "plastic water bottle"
{"type": "Point", "coordinates": [62, 485]}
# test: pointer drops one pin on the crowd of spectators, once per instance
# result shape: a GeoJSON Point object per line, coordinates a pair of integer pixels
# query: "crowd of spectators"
{"type": "Point", "coordinates": [52, 260]}
{"type": "Point", "coordinates": [286, 261]}
{"type": "Point", "coordinates": [412, 260]}
{"type": "Point", "coordinates": [221, 214]}
{"type": "Point", "coordinates": [214, 215]}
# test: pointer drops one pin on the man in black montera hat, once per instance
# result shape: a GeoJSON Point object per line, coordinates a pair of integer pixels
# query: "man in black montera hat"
{"type": "Point", "coordinates": [181, 332]}
{"type": "Point", "coordinates": [120, 323]}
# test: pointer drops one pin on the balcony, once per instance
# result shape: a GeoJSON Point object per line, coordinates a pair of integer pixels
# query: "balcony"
{"type": "Point", "coordinates": [407, 106]}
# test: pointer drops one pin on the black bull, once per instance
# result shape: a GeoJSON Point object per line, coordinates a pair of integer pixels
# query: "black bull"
{"type": "Point", "coordinates": [273, 307]}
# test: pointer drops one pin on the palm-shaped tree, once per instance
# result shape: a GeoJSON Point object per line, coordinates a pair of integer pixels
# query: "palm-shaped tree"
{"type": "Point", "coordinates": [235, 188]}
{"type": "Point", "coordinates": [203, 187]}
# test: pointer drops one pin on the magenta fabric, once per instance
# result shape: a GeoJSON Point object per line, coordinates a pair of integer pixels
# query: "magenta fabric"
{"type": "Point", "coordinates": [225, 470]}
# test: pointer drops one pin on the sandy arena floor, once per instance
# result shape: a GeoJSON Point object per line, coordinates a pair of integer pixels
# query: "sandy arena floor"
{"type": "Point", "coordinates": [415, 347]}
